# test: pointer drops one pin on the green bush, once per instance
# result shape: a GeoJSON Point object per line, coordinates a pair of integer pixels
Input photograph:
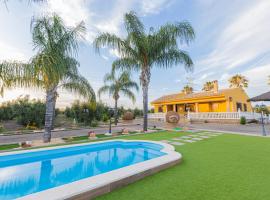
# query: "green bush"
{"type": "Point", "coordinates": [27, 112]}
{"type": "Point", "coordinates": [87, 112]}
{"type": "Point", "coordinates": [243, 120]}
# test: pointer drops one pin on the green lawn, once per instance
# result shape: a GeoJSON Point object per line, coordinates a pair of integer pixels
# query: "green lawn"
{"type": "Point", "coordinates": [8, 146]}
{"type": "Point", "coordinates": [225, 167]}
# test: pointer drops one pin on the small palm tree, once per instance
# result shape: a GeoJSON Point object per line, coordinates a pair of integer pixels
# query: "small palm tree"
{"type": "Point", "coordinates": [208, 86]}
{"type": "Point", "coordinates": [187, 89]}
{"type": "Point", "coordinates": [115, 85]}
{"type": "Point", "coordinates": [142, 50]}
{"type": "Point", "coordinates": [238, 81]}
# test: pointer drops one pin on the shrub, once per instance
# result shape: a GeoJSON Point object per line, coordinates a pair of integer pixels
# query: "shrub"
{"type": "Point", "coordinates": [94, 123]}
{"type": "Point", "coordinates": [243, 120]}
{"type": "Point", "coordinates": [82, 112]}
{"type": "Point", "coordinates": [105, 118]}
{"type": "Point", "coordinates": [128, 116]}
{"type": "Point", "coordinates": [25, 111]}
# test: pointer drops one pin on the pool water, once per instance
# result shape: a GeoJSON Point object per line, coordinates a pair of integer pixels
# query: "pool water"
{"type": "Point", "coordinates": [26, 173]}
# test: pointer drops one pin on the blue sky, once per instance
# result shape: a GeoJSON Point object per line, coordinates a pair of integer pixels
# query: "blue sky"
{"type": "Point", "coordinates": [231, 37]}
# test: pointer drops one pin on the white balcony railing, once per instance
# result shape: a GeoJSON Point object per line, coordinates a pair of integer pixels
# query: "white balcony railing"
{"type": "Point", "coordinates": [160, 116]}
{"type": "Point", "coordinates": [213, 115]}
{"type": "Point", "coordinates": [225, 115]}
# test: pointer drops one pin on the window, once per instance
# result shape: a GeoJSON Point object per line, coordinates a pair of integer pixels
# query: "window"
{"type": "Point", "coordinates": [160, 109]}
{"type": "Point", "coordinates": [239, 106]}
{"type": "Point", "coordinates": [245, 107]}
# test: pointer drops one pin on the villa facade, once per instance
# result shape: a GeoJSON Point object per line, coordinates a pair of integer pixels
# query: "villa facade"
{"type": "Point", "coordinates": [224, 100]}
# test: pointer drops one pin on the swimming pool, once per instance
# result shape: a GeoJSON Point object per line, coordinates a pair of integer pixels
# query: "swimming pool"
{"type": "Point", "coordinates": [36, 171]}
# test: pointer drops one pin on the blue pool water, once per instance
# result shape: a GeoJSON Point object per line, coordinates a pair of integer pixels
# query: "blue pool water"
{"type": "Point", "coordinates": [25, 173]}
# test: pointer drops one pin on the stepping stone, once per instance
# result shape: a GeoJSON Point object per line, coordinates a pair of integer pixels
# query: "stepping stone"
{"type": "Point", "coordinates": [177, 139]}
{"type": "Point", "coordinates": [193, 136]}
{"type": "Point", "coordinates": [164, 141]}
{"type": "Point", "coordinates": [177, 143]}
{"type": "Point", "coordinates": [190, 141]}
{"type": "Point", "coordinates": [204, 136]}
{"type": "Point", "coordinates": [185, 137]}
{"type": "Point", "coordinates": [197, 139]}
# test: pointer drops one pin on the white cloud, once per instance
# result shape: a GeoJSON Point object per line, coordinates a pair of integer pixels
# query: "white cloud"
{"type": "Point", "coordinates": [154, 6]}
{"type": "Point", "coordinates": [242, 40]}
{"type": "Point", "coordinates": [8, 52]}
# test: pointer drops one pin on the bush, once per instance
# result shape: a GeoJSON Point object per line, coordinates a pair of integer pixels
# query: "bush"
{"type": "Point", "coordinates": [128, 116]}
{"type": "Point", "coordinates": [82, 112]}
{"type": "Point", "coordinates": [94, 123]}
{"type": "Point", "coordinates": [243, 120]}
{"type": "Point", "coordinates": [25, 111]}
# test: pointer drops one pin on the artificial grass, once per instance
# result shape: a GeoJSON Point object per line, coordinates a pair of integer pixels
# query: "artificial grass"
{"type": "Point", "coordinates": [8, 146]}
{"type": "Point", "coordinates": [226, 167]}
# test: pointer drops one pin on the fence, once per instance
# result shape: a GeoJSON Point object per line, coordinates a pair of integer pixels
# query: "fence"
{"type": "Point", "coordinates": [225, 115]}
{"type": "Point", "coordinates": [214, 115]}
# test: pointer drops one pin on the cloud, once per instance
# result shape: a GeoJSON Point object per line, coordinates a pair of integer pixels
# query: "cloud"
{"type": "Point", "coordinates": [96, 20]}
{"type": "Point", "coordinates": [154, 6]}
{"type": "Point", "coordinates": [8, 52]}
{"type": "Point", "coordinates": [242, 40]}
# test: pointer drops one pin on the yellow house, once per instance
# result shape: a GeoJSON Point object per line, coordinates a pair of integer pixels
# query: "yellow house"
{"type": "Point", "coordinates": [224, 100]}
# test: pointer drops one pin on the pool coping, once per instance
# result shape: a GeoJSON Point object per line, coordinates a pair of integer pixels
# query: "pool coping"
{"type": "Point", "coordinates": [94, 186]}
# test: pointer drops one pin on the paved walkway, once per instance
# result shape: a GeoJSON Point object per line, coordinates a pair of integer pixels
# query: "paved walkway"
{"type": "Point", "coordinates": [253, 129]}
{"type": "Point", "coordinates": [8, 139]}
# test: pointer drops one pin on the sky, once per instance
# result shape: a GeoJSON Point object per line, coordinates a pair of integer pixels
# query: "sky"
{"type": "Point", "coordinates": [231, 37]}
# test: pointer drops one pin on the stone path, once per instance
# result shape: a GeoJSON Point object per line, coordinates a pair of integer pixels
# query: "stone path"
{"type": "Point", "coordinates": [195, 137]}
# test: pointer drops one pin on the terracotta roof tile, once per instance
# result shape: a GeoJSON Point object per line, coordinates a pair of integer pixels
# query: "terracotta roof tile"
{"type": "Point", "coordinates": [183, 96]}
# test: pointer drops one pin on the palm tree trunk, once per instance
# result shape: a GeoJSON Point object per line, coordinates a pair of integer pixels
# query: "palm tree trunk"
{"type": "Point", "coordinates": [115, 112]}
{"type": "Point", "coordinates": [54, 103]}
{"type": "Point", "coordinates": [49, 115]}
{"type": "Point", "coordinates": [145, 80]}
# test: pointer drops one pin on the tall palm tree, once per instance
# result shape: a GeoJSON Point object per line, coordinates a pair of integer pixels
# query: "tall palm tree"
{"type": "Point", "coordinates": [238, 81]}
{"type": "Point", "coordinates": [142, 50]}
{"type": "Point", "coordinates": [208, 86]}
{"type": "Point", "coordinates": [187, 89]}
{"type": "Point", "coordinates": [54, 66]}
{"type": "Point", "coordinates": [115, 85]}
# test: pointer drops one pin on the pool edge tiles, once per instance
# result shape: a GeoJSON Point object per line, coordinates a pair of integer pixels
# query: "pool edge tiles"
{"type": "Point", "coordinates": [94, 186]}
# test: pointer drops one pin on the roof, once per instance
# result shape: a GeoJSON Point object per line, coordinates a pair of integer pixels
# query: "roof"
{"type": "Point", "coordinates": [182, 96]}
{"type": "Point", "coordinates": [262, 97]}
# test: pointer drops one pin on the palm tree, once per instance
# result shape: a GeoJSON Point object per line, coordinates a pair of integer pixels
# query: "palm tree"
{"type": "Point", "coordinates": [142, 50]}
{"type": "Point", "coordinates": [54, 66]}
{"type": "Point", "coordinates": [9, 74]}
{"type": "Point", "coordinates": [238, 81]}
{"type": "Point", "coordinates": [115, 85]}
{"type": "Point", "coordinates": [208, 86]}
{"type": "Point", "coordinates": [187, 89]}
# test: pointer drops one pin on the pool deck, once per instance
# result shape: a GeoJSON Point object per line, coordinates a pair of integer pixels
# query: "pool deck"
{"type": "Point", "coordinates": [92, 187]}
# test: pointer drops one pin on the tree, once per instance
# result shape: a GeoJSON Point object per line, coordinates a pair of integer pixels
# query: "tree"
{"type": "Point", "coordinates": [115, 85]}
{"type": "Point", "coordinates": [9, 76]}
{"type": "Point", "coordinates": [208, 86]}
{"type": "Point", "coordinates": [54, 66]}
{"type": "Point", "coordinates": [187, 89]}
{"type": "Point", "coordinates": [238, 81]}
{"type": "Point", "coordinates": [141, 50]}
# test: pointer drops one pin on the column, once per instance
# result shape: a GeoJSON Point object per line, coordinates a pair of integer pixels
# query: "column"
{"type": "Point", "coordinates": [196, 107]}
